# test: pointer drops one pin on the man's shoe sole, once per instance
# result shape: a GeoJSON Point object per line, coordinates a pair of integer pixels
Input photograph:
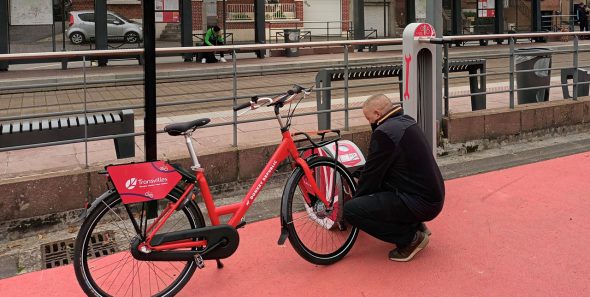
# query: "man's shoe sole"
{"type": "Point", "coordinates": [420, 247]}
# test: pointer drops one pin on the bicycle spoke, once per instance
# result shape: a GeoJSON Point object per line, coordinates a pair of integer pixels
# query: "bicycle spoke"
{"type": "Point", "coordinates": [317, 229]}
{"type": "Point", "coordinates": [126, 259]}
{"type": "Point", "coordinates": [120, 274]}
{"type": "Point", "coordinates": [117, 276]}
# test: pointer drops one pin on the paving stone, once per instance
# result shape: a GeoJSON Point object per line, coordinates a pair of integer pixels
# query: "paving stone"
{"type": "Point", "coordinates": [8, 266]}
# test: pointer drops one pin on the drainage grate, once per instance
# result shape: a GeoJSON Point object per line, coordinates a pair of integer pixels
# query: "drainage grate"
{"type": "Point", "coordinates": [57, 253]}
{"type": "Point", "coordinates": [61, 253]}
{"type": "Point", "coordinates": [102, 244]}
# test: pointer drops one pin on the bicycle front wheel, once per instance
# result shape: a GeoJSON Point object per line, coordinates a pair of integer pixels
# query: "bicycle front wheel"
{"type": "Point", "coordinates": [103, 263]}
{"type": "Point", "coordinates": [318, 232]}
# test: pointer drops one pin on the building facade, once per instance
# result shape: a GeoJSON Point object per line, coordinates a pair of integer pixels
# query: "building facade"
{"type": "Point", "coordinates": [383, 18]}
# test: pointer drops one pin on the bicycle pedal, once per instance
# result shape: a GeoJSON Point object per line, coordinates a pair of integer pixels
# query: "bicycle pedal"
{"type": "Point", "coordinates": [199, 261]}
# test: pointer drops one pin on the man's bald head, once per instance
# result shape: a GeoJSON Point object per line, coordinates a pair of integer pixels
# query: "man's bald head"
{"type": "Point", "coordinates": [376, 106]}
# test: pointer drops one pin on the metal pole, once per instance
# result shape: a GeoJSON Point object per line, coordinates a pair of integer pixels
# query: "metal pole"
{"type": "Point", "coordinates": [499, 18]}
{"type": "Point", "coordinates": [259, 21]}
{"type": "Point", "coordinates": [64, 61]}
{"type": "Point", "coordinates": [63, 25]}
{"type": "Point", "coordinates": [385, 10]}
{"type": "Point", "coordinates": [4, 33]}
{"type": "Point", "coordinates": [224, 8]}
{"type": "Point", "coordinates": [446, 78]}
{"type": "Point", "coordinates": [53, 41]}
{"type": "Point", "coordinates": [345, 87]}
{"type": "Point", "coordinates": [149, 68]}
{"type": "Point", "coordinates": [456, 17]}
{"type": "Point", "coordinates": [576, 78]}
{"type": "Point", "coordinates": [434, 13]}
{"type": "Point", "coordinates": [511, 41]}
{"type": "Point", "coordinates": [536, 15]}
{"type": "Point", "coordinates": [100, 22]}
{"type": "Point", "coordinates": [235, 95]}
{"type": "Point", "coordinates": [410, 11]}
{"type": "Point", "coordinates": [358, 11]}
{"type": "Point", "coordinates": [186, 27]}
{"type": "Point", "coordinates": [328, 31]}
{"type": "Point", "coordinates": [85, 113]}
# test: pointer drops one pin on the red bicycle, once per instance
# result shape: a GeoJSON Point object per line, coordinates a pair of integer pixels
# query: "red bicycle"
{"type": "Point", "coordinates": [120, 250]}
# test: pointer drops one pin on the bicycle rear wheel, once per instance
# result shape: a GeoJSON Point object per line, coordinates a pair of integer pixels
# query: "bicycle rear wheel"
{"type": "Point", "coordinates": [319, 234]}
{"type": "Point", "coordinates": [104, 265]}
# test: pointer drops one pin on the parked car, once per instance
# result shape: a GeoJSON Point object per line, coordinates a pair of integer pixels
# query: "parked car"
{"type": "Point", "coordinates": [82, 27]}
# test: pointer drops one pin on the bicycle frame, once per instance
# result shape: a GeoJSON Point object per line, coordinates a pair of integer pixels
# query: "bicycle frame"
{"type": "Point", "coordinates": [286, 148]}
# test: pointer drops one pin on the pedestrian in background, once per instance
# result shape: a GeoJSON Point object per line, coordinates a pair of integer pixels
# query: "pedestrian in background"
{"type": "Point", "coordinates": [213, 37]}
{"type": "Point", "coordinates": [582, 13]}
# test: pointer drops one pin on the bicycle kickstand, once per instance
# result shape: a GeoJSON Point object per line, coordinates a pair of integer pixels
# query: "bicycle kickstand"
{"type": "Point", "coordinates": [219, 264]}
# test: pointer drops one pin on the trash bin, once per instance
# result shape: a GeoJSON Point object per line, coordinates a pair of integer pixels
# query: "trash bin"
{"type": "Point", "coordinates": [291, 36]}
{"type": "Point", "coordinates": [532, 59]}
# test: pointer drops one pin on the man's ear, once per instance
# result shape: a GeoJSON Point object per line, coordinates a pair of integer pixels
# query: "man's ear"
{"type": "Point", "coordinates": [377, 113]}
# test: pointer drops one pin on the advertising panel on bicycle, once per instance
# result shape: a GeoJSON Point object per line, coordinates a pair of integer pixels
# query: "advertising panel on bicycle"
{"type": "Point", "coordinates": [143, 182]}
{"type": "Point", "coordinates": [348, 153]}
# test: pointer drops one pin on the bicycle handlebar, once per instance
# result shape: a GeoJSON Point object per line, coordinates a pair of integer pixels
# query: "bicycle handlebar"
{"type": "Point", "coordinates": [278, 100]}
{"type": "Point", "coordinates": [242, 106]}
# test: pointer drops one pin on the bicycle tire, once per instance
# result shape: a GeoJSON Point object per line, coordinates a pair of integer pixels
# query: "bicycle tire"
{"type": "Point", "coordinates": [342, 240]}
{"type": "Point", "coordinates": [82, 249]}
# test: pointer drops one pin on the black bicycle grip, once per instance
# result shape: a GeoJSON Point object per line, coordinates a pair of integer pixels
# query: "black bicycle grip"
{"type": "Point", "coordinates": [242, 106]}
{"type": "Point", "coordinates": [296, 89]}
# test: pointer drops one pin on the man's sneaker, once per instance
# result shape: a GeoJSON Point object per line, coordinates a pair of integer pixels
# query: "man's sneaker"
{"type": "Point", "coordinates": [404, 254]}
{"type": "Point", "coordinates": [203, 61]}
{"type": "Point", "coordinates": [422, 227]}
{"type": "Point", "coordinates": [223, 60]}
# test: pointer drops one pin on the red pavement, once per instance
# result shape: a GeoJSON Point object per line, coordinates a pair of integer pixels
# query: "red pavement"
{"type": "Point", "coordinates": [514, 232]}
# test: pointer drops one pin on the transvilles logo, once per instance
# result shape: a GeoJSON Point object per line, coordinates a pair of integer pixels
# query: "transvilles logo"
{"type": "Point", "coordinates": [131, 183]}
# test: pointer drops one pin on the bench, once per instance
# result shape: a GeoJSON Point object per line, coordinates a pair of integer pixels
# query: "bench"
{"type": "Point", "coordinates": [583, 77]}
{"type": "Point", "coordinates": [27, 132]}
{"type": "Point", "coordinates": [325, 77]}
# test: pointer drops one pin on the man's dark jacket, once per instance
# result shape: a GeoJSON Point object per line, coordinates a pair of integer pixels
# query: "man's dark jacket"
{"type": "Point", "coordinates": [400, 160]}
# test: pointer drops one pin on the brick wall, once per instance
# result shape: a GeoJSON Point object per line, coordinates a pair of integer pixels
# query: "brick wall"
{"type": "Point", "coordinates": [345, 15]}
{"type": "Point", "coordinates": [299, 10]}
{"type": "Point", "coordinates": [132, 11]}
{"type": "Point", "coordinates": [197, 15]}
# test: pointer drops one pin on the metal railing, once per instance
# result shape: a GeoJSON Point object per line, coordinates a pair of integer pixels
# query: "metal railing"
{"type": "Point", "coordinates": [245, 12]}
{"type": "Point", "coordinates": [510, 58]}
{"type": "Point", "coordinates": [326, 30]}
{"type": "Point", "coordinates": [557, 23]}
{"type": "Point", "coordinates": [233, 73]}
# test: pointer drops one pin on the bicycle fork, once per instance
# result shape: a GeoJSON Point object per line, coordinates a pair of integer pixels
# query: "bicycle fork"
{"type": "Point", "coordinates": [315, 191]}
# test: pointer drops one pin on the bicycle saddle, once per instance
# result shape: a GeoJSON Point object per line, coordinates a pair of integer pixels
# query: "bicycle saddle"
{"type": "Point", "coordinates": [181, 128]}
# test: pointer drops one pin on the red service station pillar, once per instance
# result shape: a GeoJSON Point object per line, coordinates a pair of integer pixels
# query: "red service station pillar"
{"type": "Point", "coordinates": [419, 78]}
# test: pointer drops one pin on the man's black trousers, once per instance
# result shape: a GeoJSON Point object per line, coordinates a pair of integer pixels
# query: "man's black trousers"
{"type": "Point", "coordinates": [210, 56]}
{"type": "Point", "coordinates": [383, 215]}
{"type": "Point", "coordinates": [583, 26]}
